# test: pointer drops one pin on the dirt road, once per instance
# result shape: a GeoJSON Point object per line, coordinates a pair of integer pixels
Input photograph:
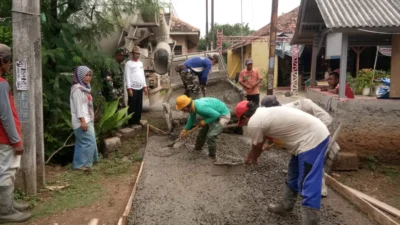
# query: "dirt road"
{"type": "Point", "coordinates": [176, 188]}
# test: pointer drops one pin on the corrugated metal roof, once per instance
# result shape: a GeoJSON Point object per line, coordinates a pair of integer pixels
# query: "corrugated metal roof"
{"type": "Point", "coordinates": [360, 13]}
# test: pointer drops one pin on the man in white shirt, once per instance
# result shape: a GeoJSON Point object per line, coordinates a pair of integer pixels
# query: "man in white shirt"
{"type": "Point", "coordinates": [136, 85]}
{"type": "Point", "coordinates": [308, 106]}
{"type": "Point", "coordinates": [305, 137]}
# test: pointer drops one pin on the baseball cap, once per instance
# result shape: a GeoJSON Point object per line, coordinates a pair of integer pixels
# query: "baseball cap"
{"type": "Point", "coordinates": [249, 61]}
{"type": "Point", "coordinates": [4, 50]}
{"type": "Point", "coordinates": [269, 101]}
{"type": "Point", "coordinates": [240, 109]}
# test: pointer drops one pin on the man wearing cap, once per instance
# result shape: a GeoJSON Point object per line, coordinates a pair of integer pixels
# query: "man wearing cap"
{"type": "Point", "coordinates": [308, 106]}
{"type": "Point", "coordinates": [11, 147]}
{"type": "Point", "coordinates": [215, 114]}
{"type": "Point", "coordinates": [250, 80]}
{"type": "Point", "coordinates": [136, 85]}
{"type": "Point", "coordinates": [200, 66]}
{"type": "Point", "coordinates": [305, 137]}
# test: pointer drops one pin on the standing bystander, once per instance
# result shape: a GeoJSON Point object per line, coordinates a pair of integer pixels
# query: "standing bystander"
{"type": "Point", "coordinates": [82, 118]}
{"type": "Point", "coordinates": [136, 85]}
{"type": "Point", "coordinates": [250, 80]}
{"type": "Point", "coordinates": [11, 147]}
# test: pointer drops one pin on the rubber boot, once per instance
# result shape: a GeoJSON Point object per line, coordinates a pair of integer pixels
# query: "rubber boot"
{"type": "Point", "coordinates": [309, 216]}
{"type": "Point", "coordinates": [287, 204]}
{"type": "Point", "coordinates": [21, 206]}
{"type": "Point", "coordinates": [324, 189]}
{"type": "Point", "coordinates": [198, 146]}
{"type": "Point", "coordinates": [7, 212]}
{"type": "Point", "coordinates": [212, 151]}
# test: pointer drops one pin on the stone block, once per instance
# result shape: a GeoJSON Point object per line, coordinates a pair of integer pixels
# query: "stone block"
{"type": "Point", "coordinates": [136, 127]}
{"type": "Point", "coordinates": [346, 161]}
{"type": "Point", "coordinates": [127, 133]}
{"type": "Point", "coordinates": [144, 122]}
{"type": "Point", "coordinates": [118, 135]}
{"type": "Point", "coordinates": [112, 144]}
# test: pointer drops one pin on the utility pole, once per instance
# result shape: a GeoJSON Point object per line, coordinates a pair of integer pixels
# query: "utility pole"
{"type": "Point", "coordinates": [241, 33]}
{"type": "Point", "coordinates": [207, 25]}
{"type": "Point", "coordinates": [27, 78]}
{"type": "Point", "coordinates": [272, 46]}
{"type": "Point", "coordinates": [212, 25]}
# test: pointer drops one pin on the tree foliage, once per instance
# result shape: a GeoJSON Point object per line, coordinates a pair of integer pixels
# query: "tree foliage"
{"type": "Point", "coordinates": [228, 30]}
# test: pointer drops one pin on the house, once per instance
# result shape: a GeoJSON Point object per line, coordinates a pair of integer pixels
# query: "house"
{"type": "Point", "coordinates": [370, 126]}
{"type": "Point", "coordinates": [258, 48]}
{"type": "Point", "coordinates": [185, 35]}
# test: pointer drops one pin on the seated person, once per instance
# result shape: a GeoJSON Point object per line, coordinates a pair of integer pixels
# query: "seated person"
{"type": "Point", "coordinates": [333, 81]}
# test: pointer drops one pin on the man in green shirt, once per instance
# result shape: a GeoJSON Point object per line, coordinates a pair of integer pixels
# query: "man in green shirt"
{"type": "Point", "coordinates": [215, 114]}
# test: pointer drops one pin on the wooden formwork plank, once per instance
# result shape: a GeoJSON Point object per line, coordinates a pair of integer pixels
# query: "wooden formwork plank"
{"type": "Point", "coordinates": [130, 201]}
{"type": "Point", "coordinates": [365, 206]}
{"type": "Point", "coordinates": [375, 202]}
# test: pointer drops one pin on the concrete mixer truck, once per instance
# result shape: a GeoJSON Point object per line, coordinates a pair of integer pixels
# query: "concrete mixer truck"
{"type": "Point", "coordinates": [151, 32]}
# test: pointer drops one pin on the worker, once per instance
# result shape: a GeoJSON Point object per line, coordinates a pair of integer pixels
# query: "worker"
{"type": "Point", "coordinates": [305, 105]}
{"type": "Point", "coordinates": [11, 147]}
{"type": "Point", "coordinates": [199, 66]}
{"type": "Point", "coordinates": [215, 114]}
{"type": "Point", "coordinates": [305, 137]}
{"type": "Point", "coordinates": [333, 82]}
{"type": "Point", "coordinates": [250, 80]}
{"type": "Point", "coordinates": [136, 86]}
{"type": "Point", "coordinates": [308, 106]}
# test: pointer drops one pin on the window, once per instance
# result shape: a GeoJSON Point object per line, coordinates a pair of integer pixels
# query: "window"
{"type": "Point", "coordinates": [178, 50]}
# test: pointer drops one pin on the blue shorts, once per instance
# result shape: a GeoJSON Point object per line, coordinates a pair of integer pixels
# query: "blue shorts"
{"type": "Point", "coordinates": [305, 174]}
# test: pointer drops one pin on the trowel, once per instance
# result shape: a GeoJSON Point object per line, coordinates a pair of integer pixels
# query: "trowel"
{"type": "Point", "coordinates": [223, 169]}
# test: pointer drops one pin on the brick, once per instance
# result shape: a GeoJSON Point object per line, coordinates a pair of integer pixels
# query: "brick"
{"type": "Point", "coordinates": [127, 133]}
{"type": "Point", "coordinates": [144, 122]}
{"type": "Point", "coordinates": [346, 161]}
{"type": "Point", "coordinates": [112, 144]}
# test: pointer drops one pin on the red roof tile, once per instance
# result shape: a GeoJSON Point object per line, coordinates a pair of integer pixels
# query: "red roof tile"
{"type": "Point", "coordinates": [181, 26]}
{"type": "Point", "coordinates": [286, 23]}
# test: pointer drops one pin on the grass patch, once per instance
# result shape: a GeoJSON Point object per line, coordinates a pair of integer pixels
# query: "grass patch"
{"type": "Point", "coordinates": [84, 188]}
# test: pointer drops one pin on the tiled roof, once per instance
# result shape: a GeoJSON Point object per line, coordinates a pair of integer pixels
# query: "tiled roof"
{"type": "Point", "coordinates": [286, 23]}
{"type": "Point", "coordinates": [360, 13]}
{"type": "Point", "coordinates": [178, 25]}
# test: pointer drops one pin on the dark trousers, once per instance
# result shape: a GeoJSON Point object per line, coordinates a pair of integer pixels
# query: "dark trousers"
{"type": "Point", "coordinates": [135, 106]}
{"type": "Point", "coordinates": [254, 98]}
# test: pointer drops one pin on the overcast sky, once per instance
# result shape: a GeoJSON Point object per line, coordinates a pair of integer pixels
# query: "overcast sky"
{"type": "Point", "coordinates": [257, 13]}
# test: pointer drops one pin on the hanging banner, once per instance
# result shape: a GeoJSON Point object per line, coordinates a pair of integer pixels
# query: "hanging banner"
{"type": "Point", "coordinates": [385, 50]}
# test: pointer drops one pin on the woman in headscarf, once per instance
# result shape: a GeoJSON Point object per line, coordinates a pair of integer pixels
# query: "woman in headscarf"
{"type": "Point", "coordinates": [82, 113]}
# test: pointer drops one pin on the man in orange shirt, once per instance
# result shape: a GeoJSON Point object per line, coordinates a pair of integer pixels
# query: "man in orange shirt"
{"type": "Point", "coordinates": [250, 80]}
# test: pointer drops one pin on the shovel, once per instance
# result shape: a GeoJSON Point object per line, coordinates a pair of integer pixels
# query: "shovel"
{"type": "Point", "coordinates": [177, 140]}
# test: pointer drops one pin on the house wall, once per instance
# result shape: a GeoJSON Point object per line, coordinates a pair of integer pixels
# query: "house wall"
{"type": "Point", "coordinates": [370, 126]}
{"type": "Point", "coordinates": [233, 63]}
{"type": "Point", "coordinates": [181, 40]}
{"type": "Point", "coordinates": [258, 51]}
{"type": "Point", "coordinates": [260, 55]}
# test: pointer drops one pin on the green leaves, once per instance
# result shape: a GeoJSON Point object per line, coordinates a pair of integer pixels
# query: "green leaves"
{"type": "Point", "coordinates": [112, 119]}
{"type": "Point", "coordinates": [109, 111]}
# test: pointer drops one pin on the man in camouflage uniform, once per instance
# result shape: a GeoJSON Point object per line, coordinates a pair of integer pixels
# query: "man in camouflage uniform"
{"type": "Point", "coordinates": [193, 68]}
{"type": "Point", "coordinates": [113, 84]}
